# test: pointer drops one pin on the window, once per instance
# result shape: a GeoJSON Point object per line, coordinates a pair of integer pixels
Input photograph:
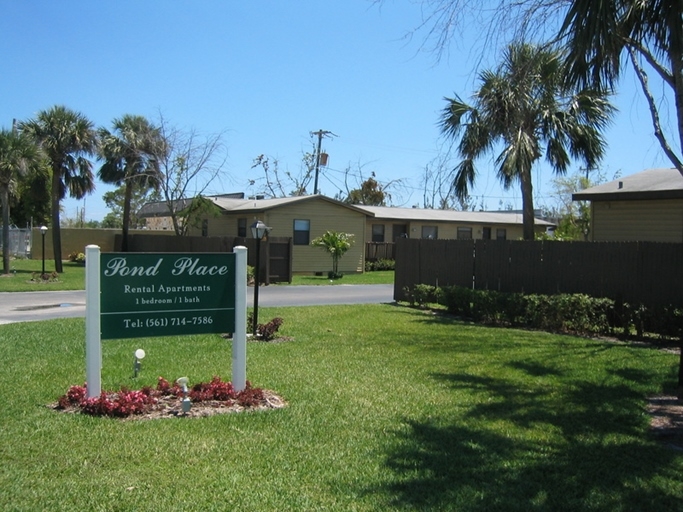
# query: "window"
{"type": "Point", "coordinates": [378, 232]}
{"type": "Point", "coordinates": [464, 233]}
{"type": "Point", "coordinates": [501, 234]}
{"type": "Point", "coordinates": [302, 232]}
{"type": "Point", "coordinates": [486, 234]}
{"type": "Point", "coordinates": [205, 227]}
{"type": "Point", "coordinates": [242, 228]}
{"type": "Point", "coordinates": [399, 231]}
{"type": "Point", "coordinates": [430, 232]}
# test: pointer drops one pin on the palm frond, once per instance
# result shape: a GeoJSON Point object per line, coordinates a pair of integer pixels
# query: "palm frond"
{"type": "Point", "coordinates": [464, 178]}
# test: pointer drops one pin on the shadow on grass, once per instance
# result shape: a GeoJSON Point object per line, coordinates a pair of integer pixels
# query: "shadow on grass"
{"type": "Point", "coordinates": [580, 448]}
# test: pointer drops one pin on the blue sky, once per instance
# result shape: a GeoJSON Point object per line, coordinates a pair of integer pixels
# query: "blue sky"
{"type": "Point", "coordinates": [267, 73]}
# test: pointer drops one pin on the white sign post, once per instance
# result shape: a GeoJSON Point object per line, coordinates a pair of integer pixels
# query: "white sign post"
{"type": "Point", "coordinates": [239, 337]}
{"type": "Point", "coordinates": [93, 343]}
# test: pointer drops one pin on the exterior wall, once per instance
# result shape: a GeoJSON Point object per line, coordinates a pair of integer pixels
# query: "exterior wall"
{"type": "Point", "coordinates": [446, 230]}
{"type": "Point", "coordinates": [75, 240]}
{"type": "Point", "coordinates": [323, 216]}
{"type": "Point", "coordinates": [159, 223]}
{"type": "Point", "coordinates": [642, 221]}
{"type": "Point", "coordinates": [225, 225]}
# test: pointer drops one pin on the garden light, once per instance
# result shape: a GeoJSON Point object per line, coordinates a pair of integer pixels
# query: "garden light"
{"type": "Point", "coordinates": [139, 355]}
{"type": "Point", "coordinates": [186, 404]}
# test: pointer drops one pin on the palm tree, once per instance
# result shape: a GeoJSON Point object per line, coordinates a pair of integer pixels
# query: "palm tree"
{"type": "Point", "coordinates": [67, 138]}
{"type": "Point", "coordinates": [336, 244]}
{"type": "Point", "coordinates": [18, 154]}
{"type": "Point", "coordinates": [131, 158]}
{"type": "Point", "coordinates": [525, 108]}
{"type": "Point", "coordinates": [598, 34]}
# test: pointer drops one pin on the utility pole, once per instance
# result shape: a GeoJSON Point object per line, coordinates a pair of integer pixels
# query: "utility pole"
{"type": "Point", "coordinates": [320, 134]}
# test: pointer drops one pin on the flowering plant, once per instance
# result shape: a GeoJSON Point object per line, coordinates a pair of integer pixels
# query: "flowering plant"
{"type": "Point", "coordinates": [128, 402]}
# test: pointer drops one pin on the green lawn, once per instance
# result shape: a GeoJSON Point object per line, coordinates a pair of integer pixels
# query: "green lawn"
{"type": "Point", "coordinates": [389, 408]}
{"type": "Point", "coordinates": [378, 277]}
{"type": "Point", "coordinates": [24, 277]}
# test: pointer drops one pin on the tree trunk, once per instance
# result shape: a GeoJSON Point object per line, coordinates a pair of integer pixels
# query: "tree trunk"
{"type": "Point", "coordinates": [56, 233]}
{"type": "Point", "coordinates": [677, 69]}
{"type": "Point", "coordinates": [126, 215]}
{"type": "Point", "coordinates": [5, 230]}
{"type": "Point", "coordinates": [527, 205]}
{"type": "Point", "coordinates": [680, 366]}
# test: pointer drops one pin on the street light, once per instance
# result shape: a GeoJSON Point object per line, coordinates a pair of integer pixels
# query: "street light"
{"type": "Point", "coordinates": [258, 230]}
{"type": "Point", "coordinates": [43, 230]}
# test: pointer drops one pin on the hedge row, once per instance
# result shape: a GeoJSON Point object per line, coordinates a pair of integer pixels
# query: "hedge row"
{"type": "Point", "coordinates": [381, 264]}
{"type": "Point", "coordinates": [568, 313]}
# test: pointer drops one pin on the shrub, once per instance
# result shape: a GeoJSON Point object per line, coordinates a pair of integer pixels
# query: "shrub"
{"type": "Point", "coordinates": [458, 300]}
{"type": "Point", "coordinates": [51, 277]}
{"type": "Point", "coordinates": [577, 313]}
{"type": "Point", "coordinates": [665, 321]}
{"type": "Point", "coordinates": [122, 404]}
{"type": "Point", "coordinates": [268, 331]}
{"type": "Point", "coordinates": [216, 389]}
{"type": "Point", "coordinates": [334, 275]}
{"type": "Point", "coordinates": [163, 386]}
{"type": "Point", "coordinates": [381, 264]}
{"type": "Point", "coordinates": [72, 397]}
{"type": "Point", "coordinates": [250, 397]}
{"type": "Point", "coordinates": [76, 257]}
{"type": "Point", "coordinates": [574, 313]}
{"type": "Point", "coordinates": [423, 294]}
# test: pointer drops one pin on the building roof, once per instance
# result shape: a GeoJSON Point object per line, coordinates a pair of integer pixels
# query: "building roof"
{"type": "Point", "coordinates": [429, 215]}
{"type": "Point", "coordinates": [251, 205]}
{"type": "Point", "coordinates": [260, 205]}
{"type": "Point", "coordinates": [160, 208]}
{"type": "Point", "coordinates": [650, 184]}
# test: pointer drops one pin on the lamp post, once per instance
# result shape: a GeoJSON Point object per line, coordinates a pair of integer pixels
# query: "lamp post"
{"type": "Point", "coordinates": [258, 230]}
{"type": "Point", "coordinates": [43, 230]}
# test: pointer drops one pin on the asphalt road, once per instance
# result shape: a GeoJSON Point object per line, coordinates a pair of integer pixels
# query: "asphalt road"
{"type": "Point", "coordinates": [33, 306]}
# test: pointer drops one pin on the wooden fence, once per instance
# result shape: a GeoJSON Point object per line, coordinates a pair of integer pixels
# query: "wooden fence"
{"type": "Point", "coordinates": [647, 273]}
{"type": "Point", "coordinates": [276, 252]}
{"type": "Point", "coordinates": [379, 251]}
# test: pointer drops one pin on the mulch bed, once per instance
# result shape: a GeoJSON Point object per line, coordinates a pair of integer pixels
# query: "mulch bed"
{"type": "Point", "coordinates": [171, 407]}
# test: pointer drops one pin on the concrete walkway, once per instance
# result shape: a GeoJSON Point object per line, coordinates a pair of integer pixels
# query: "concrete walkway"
{"type": "Point", "coordinates": [33, 306]}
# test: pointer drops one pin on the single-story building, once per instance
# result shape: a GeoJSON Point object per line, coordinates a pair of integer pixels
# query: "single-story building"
{"type": "Point", "coordinates": [301, 218]}
{"type": "Point", "coordinates": [643, 207]}
{"type": "Point", "coordinates": [157, 216]}
{"type": "Point", "coordinates": [386, 224]}
{"type": "Point", "coordinates": [304, 218]}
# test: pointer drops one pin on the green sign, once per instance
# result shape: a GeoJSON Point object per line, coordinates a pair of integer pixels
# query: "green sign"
{"type": "Point", "coordinates": [166, 294]}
